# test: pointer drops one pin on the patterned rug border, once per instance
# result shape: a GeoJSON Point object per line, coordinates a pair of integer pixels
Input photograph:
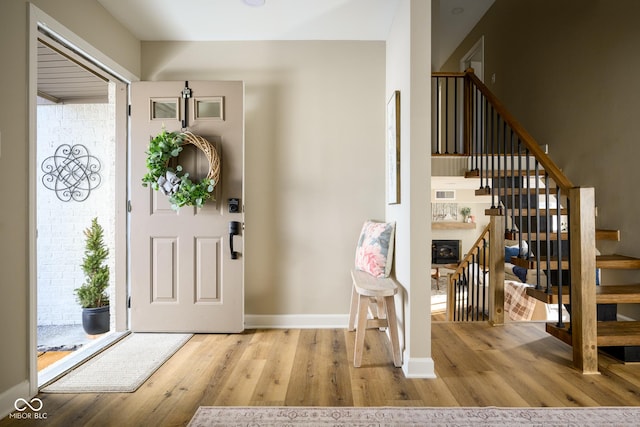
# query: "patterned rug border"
{"type": "Point", "coordinates": [265, 416]}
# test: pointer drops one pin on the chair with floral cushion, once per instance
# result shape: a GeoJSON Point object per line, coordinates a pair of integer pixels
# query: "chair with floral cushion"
{"type": "Point", "coordinates": [373, 290]}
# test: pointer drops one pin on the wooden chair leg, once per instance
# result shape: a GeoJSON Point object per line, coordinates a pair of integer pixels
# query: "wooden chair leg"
{"type": "Point", "coordinates": [354, 308]}
{"type": "Point", "coordinates": [382, 313]}
{"type": "Point", "coordinates": [393, 331]}
{"type": "Point", "coordinates": [361, 330]}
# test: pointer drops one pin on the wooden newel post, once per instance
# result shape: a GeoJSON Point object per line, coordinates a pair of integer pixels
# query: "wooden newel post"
{"type": "Point", "coordinates": [496, 270]}
{"type": "Point", "coordinates": [584, 332]}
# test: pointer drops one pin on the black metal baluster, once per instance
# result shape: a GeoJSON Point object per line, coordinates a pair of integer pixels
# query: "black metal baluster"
{"type": "Point", "coordinates": [520, 192]}
{"type": "Point", "coordinates": [437, 138]}
{"type": "Point", "coordinates": [471, 291]}
{"type": "Point", "coordinates": [548, 227]}
{"type": "Point", "coordinates": [493, 159]}
{"type": "Point", "coordinates": [455, 116]}
{"type": "Point", "coordinates": [478, 130]}
{"type": "Point", "coordinates": [512, 186]}
{"type": "Point", "coordinates": [527, 177]}
{"type": "Point", "coordinates": [538, 228]}
{"type": "Point", "coordinates": [446, 120]}
{"type": "Point", "coordinates": [568, 248]}
{"type": "Point", "coordinates": [503, 187]}
{"type": "Point", "coordinates": [559, 249]}
{"type": "Point", "coordinates": [484, 267]}
{"type": "Point", "coordinates": [483, 163]}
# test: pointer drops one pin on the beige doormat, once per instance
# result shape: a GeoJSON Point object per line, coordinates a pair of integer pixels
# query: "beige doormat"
{"type": "Point", "coordinates": [259, 416]}
{"type": "Point", "coordinates": [123, 367]}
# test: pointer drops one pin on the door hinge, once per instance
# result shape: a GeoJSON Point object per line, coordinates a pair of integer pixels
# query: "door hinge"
{"type": "Point", "coordinates": [129, 108]}
{"type": "Point", "coordinates": [128, 205]}
{"type": "Point", "coordinates": [129, 301]}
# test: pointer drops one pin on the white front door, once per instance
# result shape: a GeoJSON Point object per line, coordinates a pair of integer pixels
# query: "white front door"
{"type": "Point", "coordinates": [183, 277]}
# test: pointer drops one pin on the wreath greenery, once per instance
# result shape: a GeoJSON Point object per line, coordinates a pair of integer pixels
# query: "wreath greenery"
{"type": "Point", "coordinates": [182, 191]}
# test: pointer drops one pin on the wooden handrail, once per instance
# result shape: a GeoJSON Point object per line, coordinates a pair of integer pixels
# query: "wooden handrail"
{"type": "Point", "coordinates": [532, 145]}
{"type": "Point", "coordinates": [475, 248]}
{"type": "Point", "coordinates": [448, 74]}
{"type": "Point", "coordinates": [452, 302]}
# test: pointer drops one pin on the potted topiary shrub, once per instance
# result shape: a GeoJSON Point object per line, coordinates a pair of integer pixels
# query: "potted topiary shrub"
{"type": "Point", "coordinates": [92, 295]}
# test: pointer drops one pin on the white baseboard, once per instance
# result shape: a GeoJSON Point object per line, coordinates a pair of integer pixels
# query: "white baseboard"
{"type": "Point", "coordinates": [8, 398]}
{"type": "Point", "coordinates": [418, 367]}
{"type": "Point", "coordinates": [295, 321]}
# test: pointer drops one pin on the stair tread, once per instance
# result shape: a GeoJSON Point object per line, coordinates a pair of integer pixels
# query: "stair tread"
{"type": "Point", "coordinates": [617, 261]}
{"type": "Point", "coordinates": [610, 334]}
{"type": "Point", "coordinates": [618, 333]}
{"type": "Point", "coordinates": [605, 294]}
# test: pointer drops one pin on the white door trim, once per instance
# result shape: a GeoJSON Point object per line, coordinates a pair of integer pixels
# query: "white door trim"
{"type": "Point", "coordinates": [38, 18]}
{"type": "Point", "coordinates": [477, 49]}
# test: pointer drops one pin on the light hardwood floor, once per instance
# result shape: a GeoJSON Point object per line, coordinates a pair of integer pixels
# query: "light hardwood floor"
{"type": "Point", "coordinates": [476, 365]}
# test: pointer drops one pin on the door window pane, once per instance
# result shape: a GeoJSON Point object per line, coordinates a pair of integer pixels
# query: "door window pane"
{"type": "Point", "coordinates": [164, 109]}
{"type": "Point", "coordinates": [210, 108]}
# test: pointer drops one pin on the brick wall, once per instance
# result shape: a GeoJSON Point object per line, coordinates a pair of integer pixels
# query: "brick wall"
{"type": "Point", "coordinates": [60, 246]}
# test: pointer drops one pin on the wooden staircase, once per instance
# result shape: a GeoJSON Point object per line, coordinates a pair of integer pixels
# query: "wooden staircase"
{"type": "Point", "coordinates": [620, 338]}
{"type": "Point", "coordinates": [530, 196]}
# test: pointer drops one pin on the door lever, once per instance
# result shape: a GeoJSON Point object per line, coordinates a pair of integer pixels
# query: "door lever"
{"type": "Point", "coordinates": [234, 230]}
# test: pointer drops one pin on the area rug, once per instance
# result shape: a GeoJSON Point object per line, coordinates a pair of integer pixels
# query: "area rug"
{"type": "Point", "coordinates": [260, 416]}
{"type": "Point", "coordinates": [123, 367]}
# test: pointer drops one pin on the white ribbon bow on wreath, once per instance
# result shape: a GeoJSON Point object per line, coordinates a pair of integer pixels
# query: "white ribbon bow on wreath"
{"type": "Point", "coordinates": [169, 183]}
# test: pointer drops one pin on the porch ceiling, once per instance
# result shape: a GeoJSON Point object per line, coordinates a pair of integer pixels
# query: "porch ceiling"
{"type": "Point", "coordinates": [61, 79]}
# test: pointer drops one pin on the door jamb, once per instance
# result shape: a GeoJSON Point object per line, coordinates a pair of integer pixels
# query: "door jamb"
{"type": "Point", "coordinates": [38, 18]}
{"type": "Point", "coordinates": [477, 47]}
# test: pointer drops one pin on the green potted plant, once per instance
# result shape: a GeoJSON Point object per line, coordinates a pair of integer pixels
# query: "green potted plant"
{"type": "Point", "coordinates": [465, 213]}
{"type": "Point", "coordinates": [92, 295]}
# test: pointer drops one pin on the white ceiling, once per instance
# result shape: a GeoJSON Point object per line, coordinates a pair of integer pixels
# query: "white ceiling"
{"type": "Point", "coordinates": [200, 20]}
{"type": "Point", "coordinates": [218, 20]}
{"type": "Point", "coordinates": [456, 18]}
{"type": "Point", "coordinates": [214, 20]}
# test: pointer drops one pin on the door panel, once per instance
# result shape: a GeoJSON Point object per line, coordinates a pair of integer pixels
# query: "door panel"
{"type": "Point", "coordinates": [182, 276]}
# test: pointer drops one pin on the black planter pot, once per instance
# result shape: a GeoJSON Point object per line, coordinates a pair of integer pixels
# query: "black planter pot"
{"type": "Point", "coordinates": [96, 321]}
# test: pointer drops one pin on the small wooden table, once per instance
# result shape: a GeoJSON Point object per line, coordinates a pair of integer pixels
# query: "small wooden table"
{"type": "Point", "coordinates": [435, 271]}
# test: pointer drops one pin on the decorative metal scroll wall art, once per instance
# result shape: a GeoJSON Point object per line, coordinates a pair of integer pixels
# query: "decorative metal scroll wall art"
{"type": "Point", "coordinates": [71, 172]}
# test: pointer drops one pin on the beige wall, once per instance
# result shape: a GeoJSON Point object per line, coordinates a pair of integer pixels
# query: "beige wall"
{"type": "Point", "coordinates": [408, 62]}
{"type": "Point", "coordinates": [566, 70]}
{"type": "Point", "coordinates": [89, 20]}
{"type": "Point", "coordinates": [314, 159]}
{"type": "Point", "coordinates": [315, 162]}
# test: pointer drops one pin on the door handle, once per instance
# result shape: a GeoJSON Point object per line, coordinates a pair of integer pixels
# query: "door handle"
{"type": "Point", "coordinates": [234, 230]}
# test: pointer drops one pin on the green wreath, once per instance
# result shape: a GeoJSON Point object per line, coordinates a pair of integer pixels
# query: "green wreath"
{"type": "Point", "coordinates": [181, 190]}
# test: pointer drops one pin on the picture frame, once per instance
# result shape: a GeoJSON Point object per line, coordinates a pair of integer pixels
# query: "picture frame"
{"type": "Point", "coordinates": [393, 149]}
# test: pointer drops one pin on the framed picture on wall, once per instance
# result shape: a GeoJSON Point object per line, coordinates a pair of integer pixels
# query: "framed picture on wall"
{"type": "Point", "coordinates": [393, 149]}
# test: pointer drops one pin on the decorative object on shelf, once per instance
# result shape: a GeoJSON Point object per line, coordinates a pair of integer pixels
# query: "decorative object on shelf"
{"type": "Point", "coordinates": [71, 172]}
{"type": "Point", "coordinates": [465, 211]}
{"type": "Point", "coordinates": [444, 212]}
{"type": "Point", "coordinates": [92, 295]}
{"type": "Point", "coordinates": [173, 182]}
{"type": "Point", "coordinates": [393, 149]}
